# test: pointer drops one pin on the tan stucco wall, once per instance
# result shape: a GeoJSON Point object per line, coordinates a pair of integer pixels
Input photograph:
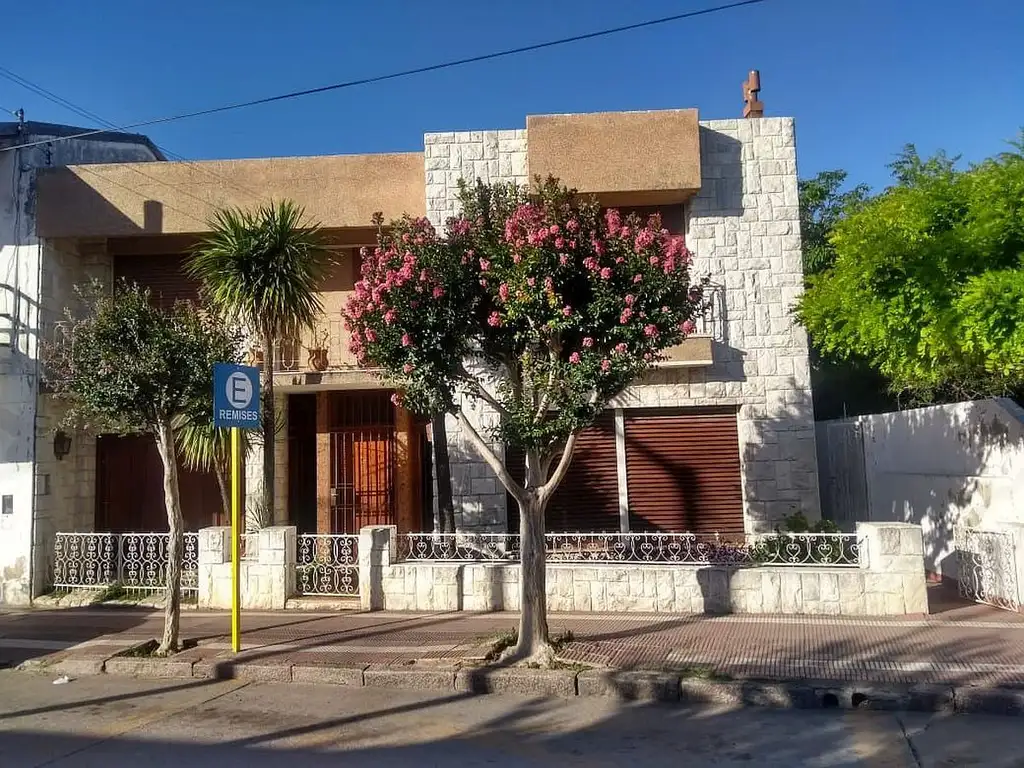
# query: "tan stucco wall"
{"type": "Point", "coordinates": [636, 158]}
{"type": "Point", "coordinates": [169, 198]}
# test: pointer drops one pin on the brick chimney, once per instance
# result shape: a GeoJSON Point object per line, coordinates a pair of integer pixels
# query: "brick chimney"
{"type": "Point", "coordinates": [752, 107]}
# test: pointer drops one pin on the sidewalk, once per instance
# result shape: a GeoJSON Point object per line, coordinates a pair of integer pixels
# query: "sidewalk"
{"type": "Point", "coordinates": [979, 648]}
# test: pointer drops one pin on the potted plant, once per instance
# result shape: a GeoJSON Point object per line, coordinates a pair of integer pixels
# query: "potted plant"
{"type": "Point", "coordinates": [318, 350]}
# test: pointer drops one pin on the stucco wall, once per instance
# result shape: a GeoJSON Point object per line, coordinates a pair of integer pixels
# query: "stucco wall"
{"type": "Point", "coordinates": [939, 467]}
{"type": "Point", "coordinates": [41, 283]}
{"type": "Point", "coordinates": [743, 228]}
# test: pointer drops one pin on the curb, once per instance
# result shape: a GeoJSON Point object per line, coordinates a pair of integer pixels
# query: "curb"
{"type": "Point", "coordinates": [624, 685]}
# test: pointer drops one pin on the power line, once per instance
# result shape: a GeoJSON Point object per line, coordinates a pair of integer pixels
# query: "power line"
{"type": "Point", "coordinates": [88, 115]}
{"type": "Point", "coordinates": [414, 71]}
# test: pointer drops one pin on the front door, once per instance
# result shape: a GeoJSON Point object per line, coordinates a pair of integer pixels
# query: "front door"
{"type": "Point", "coordinates": [363, 443]}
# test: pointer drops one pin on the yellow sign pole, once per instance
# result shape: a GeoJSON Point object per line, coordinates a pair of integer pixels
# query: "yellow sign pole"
{"type": "Point", "coordinates": [236, 537]}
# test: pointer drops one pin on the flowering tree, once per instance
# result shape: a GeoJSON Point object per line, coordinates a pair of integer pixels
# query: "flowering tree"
{"type": "Point", "coordinates": [539, 305]}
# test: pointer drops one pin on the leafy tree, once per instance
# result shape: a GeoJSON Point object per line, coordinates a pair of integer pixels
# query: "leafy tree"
{"type": "Point", "coordinates": [928, 279]}
{"type": "Point", "coordinates": [823, 204]}
{"type": "Point", "coordinates": [539, 306]}
{"type": "Point", "coordinates": [263, 269]}
{"type": "Point", "coordinates": [126, 365]}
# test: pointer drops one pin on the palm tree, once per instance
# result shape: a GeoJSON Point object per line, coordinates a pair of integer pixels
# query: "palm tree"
{"type": "Point", "coordinates": [263, 268]}
{"type": "Point", "coordinates": [204, 448]}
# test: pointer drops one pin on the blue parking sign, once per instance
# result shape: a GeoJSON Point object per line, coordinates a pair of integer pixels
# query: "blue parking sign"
{"type": "Point", "coordinates": [236, 396]}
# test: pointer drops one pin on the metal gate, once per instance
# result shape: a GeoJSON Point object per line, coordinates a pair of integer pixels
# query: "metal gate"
{"type": "Point", "coordinates": [987, 567]}
{"type": "Point", "coordinates": [842, 475]}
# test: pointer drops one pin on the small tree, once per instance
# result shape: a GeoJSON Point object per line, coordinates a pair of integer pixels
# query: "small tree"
{"type": "Point", "coordinates": [127, 366]}
{"type": "Point", "coordinates": [541, 307]}
{"type": "Point", "coordinates": [264, 269]}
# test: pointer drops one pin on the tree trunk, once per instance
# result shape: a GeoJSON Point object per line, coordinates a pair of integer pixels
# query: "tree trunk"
{"type": "Point", "coordinates": [443, 473]}
{"type": "Point", "coordinates": [269, 417]}
{"type": "Point", "coordinates": [225, 495]}
{"type": "Point", "coordinates": [534, 642]}
{"type": "Point", "coordinates": [175, 543]}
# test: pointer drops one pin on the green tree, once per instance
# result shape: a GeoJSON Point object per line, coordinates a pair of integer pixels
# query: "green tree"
{"type": "Point", "coordinates": [127, 366]}
{"type": "Point", "coordinates": [928, 279]}
{"type": "Point", "coordinates": [823, 204]}
{"type": "Point", "coordinates": [264, 269]}
{"type": "Point", "coordinates": [541, 307]}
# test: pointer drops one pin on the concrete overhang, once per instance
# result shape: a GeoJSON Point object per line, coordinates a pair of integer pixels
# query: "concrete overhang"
{"type": "Point", "coordinates": [694, 352]}
{"type": "Point", "coordinates": [624, 158]}
{"type": "Point", "coordinates": [125, 199]}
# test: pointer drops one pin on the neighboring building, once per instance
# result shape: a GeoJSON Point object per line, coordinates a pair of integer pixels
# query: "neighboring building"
{"type": "Point", "coordinates": [718, 438]}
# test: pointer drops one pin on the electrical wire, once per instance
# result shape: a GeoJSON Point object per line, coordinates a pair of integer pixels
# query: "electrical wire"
{"type": "Point", "coordinates": [409, 72]}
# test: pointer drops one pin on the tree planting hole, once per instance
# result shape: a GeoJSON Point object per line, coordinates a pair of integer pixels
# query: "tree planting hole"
{"type": "Point", "coordinates": [830, 701]}
{"type": "Point", "coordinates": [858, 700]}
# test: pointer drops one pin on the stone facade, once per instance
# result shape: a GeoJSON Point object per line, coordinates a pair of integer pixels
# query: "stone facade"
{"type": "Point", "coordinates": [889, 582]}
{"type": "Point", "coordinates": [743, 228]}
{"type": "Point", "coordinates": [490, 156]}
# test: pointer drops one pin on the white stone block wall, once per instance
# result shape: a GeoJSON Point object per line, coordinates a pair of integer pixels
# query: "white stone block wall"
{"type": "Point", "coordinates": [889, 582]}
{"type": "Point", "coordinates": [265, 583]}
{"type": "Point", "coordinates": [491, 156]}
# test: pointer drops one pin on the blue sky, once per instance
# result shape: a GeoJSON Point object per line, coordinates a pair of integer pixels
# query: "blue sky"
{"type": "Point", "coordinates": [862, 77]}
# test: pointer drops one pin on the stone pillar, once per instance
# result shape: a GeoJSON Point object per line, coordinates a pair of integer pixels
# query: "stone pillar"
{"type": "Point", "coordinates": [323, 463]}
{"type": "Point", "coordinates": [893, 556]}
{"type": "Point", "coordinates": [377, 550]}
{"type": "Point", "coordinates": [281, 511]}
{"type": "Point", "coordinates": [214, 566]}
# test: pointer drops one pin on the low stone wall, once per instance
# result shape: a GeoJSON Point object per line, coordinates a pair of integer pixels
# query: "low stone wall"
{"type": "Point", "coordinates": [266, 582]}
{"type": "Point", "coordinates": [889, 582]}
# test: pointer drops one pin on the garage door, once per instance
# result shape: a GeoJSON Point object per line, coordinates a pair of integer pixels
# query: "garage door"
{"type": "Point", "coordinates": [587, 498]}
{"type": "Point", "coordinates": [683, 472]}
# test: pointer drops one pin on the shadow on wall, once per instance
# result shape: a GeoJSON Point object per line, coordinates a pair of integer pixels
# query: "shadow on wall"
{"type": "Point", "coordinates": [724, 153]}
{"type": "Point", "coordinates": [941, 467]}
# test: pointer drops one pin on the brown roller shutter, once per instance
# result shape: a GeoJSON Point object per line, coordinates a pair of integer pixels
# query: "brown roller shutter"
{"type": "Point", "coordinates": [587, 498]}
{"type": "Point", "coordinates": [164, 275]}
{"type": "Point", "coordinates": [683, 472]}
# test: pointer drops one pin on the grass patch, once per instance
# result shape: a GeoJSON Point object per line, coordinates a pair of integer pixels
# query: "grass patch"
{"type": "Point", "coordinates": [145, 650]}
{"type": "Point", "coordinates": [111, 592]}
{"type": "Point", "coordinates": [558, 642]}
{"type": "Point", "coordinates": [703, 672]}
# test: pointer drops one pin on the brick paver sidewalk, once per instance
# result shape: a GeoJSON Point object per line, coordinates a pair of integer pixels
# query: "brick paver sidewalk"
{"type": "Point", "coordinates": [974, 648]}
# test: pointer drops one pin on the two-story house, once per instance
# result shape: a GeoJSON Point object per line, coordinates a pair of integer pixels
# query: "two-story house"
{"type": "Point", "coordinates": [719, 437]}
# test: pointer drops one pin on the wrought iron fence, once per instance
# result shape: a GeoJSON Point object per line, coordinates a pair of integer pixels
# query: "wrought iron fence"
{"type": "Point", "coordinates": [840, 550]}
{"type": "Point", "coordinates": [327, 564]}
{"type": "Point", "coordinates": [135, 561]}
{"type": "Point", "coordinates": [987, 567]}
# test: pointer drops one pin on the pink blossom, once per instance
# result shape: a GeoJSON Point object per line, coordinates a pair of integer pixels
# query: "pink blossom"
{"type": "Point", "coordinates": [572, 245]}
{"type": "Point", "coordinates": [531, 281]}
{"type": "Point", "coordinates": [650, 331]}
{"type": "Point", "coordinates": [494, 320]}
{"type": "Point", "coordinates": [624, 233]}
{"type": "Point", "coordinates": [665, 310]}
{"type": "Point", "coordinates": [555, 229]}
{"type": "Point", "coordinates": [574, 358]}
{"type": "Point", "coordinates": [407, 368]}
{"type": "Point", "coordinates": [598, 246]}
{"type": "Point", "coordinates": [406, 340]}
{"type": "Point", "coordinates": [371, 335]}
{"type": "Point", "coordinates": [483, 282]}
{"type": "Point", "coordinates": [644, 239]}
{"type": "Point", "coordinates": [620, 348]}
{"type": "Point", "coordinates": [405, 237]}
{"type": "Point", "coordinates": [626, 314]}
{"type": "Point", "coordinates": [688, 327]}
{"type": "Point", "coordinates": [503, 292]}
{"type": "Point", "coordinates": [563, 259]}
{"type": "Point", "coordinates": [424, 275]}
{"type": "Point", "coordinates": [637, 278]}
{"type": "Point", "coordinates": [588, 342]}
{"type": "Point", "coordinates": [484, 265]}
{"type": "Point", "coordinates": [389, 316]}
{"type": "Point", "coordinates": [572, 225]}
{"type": "Point", "coordinates": [606, 273]}
{"type": "Point", "coordinates": [516, 258]}
{"type": "Point", "coordinates": [612, 221]}
{"type": "Point", "coordinates": [654, 261]}
{"type": "Point", "coordinates": [566, 310]}
{"type": "Point", "coordinates": [591, 263]}
{"type": "Point", "coordinates": [559, 242]}
{"type": "Point", "coordinates": [630, 298]}
{"type": "Point", "coordinates": [549, 283]}
{"type": "Point", "coordinates": [438, 291]}
{"type": "Point", "coordinates": [414, 303]}
{"type": "Point", "coordinates": [648, 357]}
{"type": "Point", "coordinates": [606, 365]}
{"type": "Point", "coordinates": [619, 259]}
{"type": "Point", "coordinates": [396, 399]}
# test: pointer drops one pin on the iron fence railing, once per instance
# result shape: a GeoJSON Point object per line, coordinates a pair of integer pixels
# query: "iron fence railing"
{"type": "Point", "coordinates": [839, 550]}
{"type": "Point", "coordinates": [327, 564]}
{"type": "Point", "coordinates": [135, 561]}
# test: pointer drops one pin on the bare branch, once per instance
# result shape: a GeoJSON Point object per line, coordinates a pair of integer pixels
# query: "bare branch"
{"type": "Point", "coordinates": [549, 487]}
{"type": "Point", "coordinates": [492, 459]}
{"type": "Point", "coordinates": [546, 397]}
